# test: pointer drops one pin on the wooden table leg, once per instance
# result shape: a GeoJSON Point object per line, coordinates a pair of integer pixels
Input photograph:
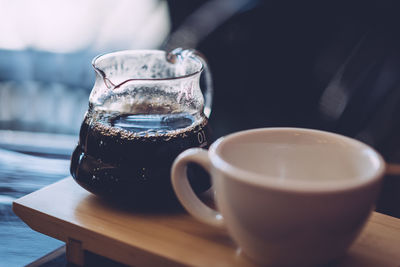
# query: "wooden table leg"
{"type": "Point", "coordinates": [75, 253]}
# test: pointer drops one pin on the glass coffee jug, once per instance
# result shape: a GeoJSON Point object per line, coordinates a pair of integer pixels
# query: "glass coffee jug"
{"type": "Point", "coordinates": [145, 108]}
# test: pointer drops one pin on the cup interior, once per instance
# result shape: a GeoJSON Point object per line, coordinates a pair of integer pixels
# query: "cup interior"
{"type": "Point", "coordinates": [288, 155]}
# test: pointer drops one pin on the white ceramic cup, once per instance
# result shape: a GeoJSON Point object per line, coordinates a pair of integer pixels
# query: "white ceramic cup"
{"type": "Point", "coordinates": [287, 196]}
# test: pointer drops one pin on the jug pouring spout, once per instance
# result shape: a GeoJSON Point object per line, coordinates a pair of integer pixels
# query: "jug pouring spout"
{"type": "Point", "coordinates": [133, 68]}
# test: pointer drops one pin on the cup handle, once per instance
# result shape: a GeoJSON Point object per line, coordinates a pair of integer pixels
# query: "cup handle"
{"type": "Point", "coordinates": [184, 192]}
{"type": "Point", "coordinates": [208, 91]}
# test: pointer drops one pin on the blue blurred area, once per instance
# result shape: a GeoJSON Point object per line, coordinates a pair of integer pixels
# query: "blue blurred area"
{"type": "Point", "coordinates": [19, 175]}
{"type": "Point", "coordinates": [46, 49]}
{"type": "Point", "coordinates": [39, 92]}
{"type": "Point", "coordinates": [72, 69]}
{"type": "Point", "coordinates": [44, 91]}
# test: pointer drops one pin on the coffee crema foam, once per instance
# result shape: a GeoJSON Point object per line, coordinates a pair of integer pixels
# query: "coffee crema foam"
{"type": "Point", "coordinates": [100, 122]}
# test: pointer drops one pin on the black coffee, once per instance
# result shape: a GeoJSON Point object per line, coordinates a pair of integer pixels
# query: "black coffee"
{"type": "Point", "coordinates": [129, 156]}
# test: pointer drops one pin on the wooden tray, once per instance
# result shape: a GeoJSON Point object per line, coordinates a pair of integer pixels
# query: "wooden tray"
{"type": "Point", "coordinates": [68, 213]}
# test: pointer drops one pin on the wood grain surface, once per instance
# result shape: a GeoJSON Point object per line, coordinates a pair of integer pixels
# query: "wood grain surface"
{"type": "Point", "coordinates": [67, 212]}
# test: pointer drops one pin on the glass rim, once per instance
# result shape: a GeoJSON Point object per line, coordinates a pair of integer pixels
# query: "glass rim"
{"type": "Point", "coordinates": [138, 51]}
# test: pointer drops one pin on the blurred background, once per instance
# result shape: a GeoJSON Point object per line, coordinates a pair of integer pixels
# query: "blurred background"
{"type": "Point", "coordinates": [330, 65]}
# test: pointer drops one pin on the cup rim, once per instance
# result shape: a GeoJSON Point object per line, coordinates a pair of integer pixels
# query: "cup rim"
{"type": "Point", "coordinates": [253, 178]}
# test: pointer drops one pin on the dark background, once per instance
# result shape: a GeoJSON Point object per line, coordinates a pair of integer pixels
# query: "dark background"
{"type": "Point", "coordinates": [330, 65]}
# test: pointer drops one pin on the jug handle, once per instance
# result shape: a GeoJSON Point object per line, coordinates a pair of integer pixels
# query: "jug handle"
{"type": "Point", "coordinates": [208, 90]}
